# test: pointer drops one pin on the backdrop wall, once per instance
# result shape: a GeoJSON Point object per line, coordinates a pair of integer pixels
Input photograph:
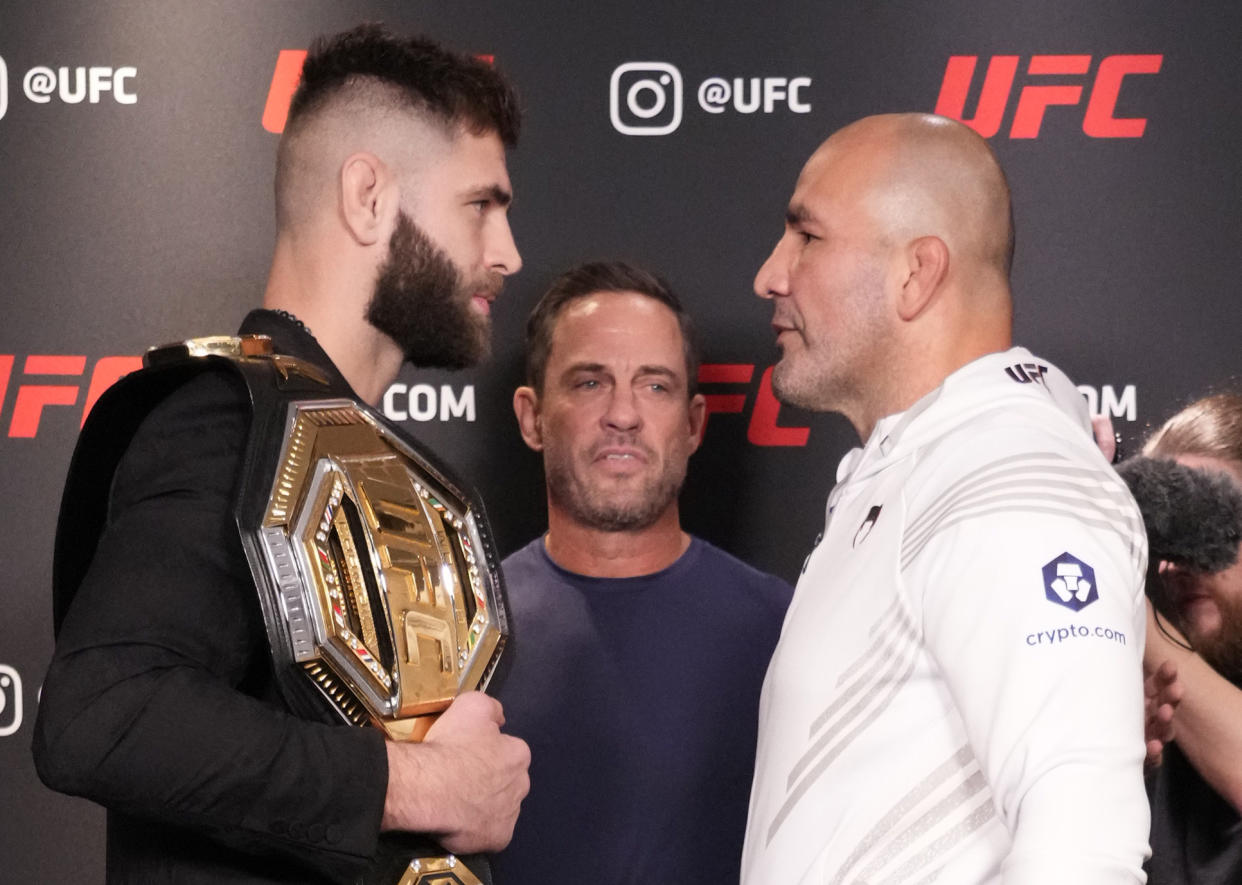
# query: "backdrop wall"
{"type": "Point", "coordinates": [136, 153]}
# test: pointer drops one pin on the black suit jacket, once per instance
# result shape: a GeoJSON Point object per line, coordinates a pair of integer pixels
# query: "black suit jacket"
{"type": "Point", "coordinates": [160, 703]}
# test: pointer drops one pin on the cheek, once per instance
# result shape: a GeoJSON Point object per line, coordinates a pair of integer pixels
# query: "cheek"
{"type": "Point", "coordinates": [1227, 585]}
{"type": "Point", "coordinates": [676, 434]}
{"type": "Point", "coordinates": [568, 430]}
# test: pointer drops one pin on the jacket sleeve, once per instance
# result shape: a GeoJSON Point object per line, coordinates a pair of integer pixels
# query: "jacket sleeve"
{"type": "Point", "coordinates": [1029, 581]}
{"type": "Point", "coordinates": [158, 701]}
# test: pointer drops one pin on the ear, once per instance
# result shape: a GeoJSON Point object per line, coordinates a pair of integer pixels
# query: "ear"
{"type": "Point", "coordinates": [698, 420]}
{"type": "Point", "coordinates": [369, 197]}
{"type": "Point", "coordinates": [526, 407]}
{"type": "Point", "coordinates": [927, 264]}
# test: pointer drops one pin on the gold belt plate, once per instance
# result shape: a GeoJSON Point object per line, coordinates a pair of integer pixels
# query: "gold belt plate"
{"type": "Point", "coordinates": [391, 605]}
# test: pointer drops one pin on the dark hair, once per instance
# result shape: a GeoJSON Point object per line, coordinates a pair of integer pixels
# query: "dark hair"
{"type": "Point", "coordinates": [458, 89]}
{"type": "Point", "coordinates": [602, 276]}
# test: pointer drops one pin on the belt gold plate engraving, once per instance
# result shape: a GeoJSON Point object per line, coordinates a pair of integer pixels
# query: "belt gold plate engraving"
{"type": "Point", "coordinates": [383, 584]}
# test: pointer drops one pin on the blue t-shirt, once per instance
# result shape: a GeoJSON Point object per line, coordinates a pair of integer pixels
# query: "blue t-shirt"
{"type": "Point", "coordinates": [639, 698]}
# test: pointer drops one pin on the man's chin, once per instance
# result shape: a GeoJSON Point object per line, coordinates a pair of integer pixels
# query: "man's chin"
{"type": "Point", "coordinates": [788, 388]}
{"type": "Point", "coordinates": [425, 355]}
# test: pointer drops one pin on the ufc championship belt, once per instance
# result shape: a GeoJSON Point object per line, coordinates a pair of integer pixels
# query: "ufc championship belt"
{"type": "Point", "coordinates": [376, 572]}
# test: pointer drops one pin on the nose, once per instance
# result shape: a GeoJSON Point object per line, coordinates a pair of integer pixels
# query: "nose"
{"type": "Point", "coordinates": [501, 254]}
{"type": "Point", "coordinates": [773, 276]}
{"type": "Point", "coordinates": [622, 413]}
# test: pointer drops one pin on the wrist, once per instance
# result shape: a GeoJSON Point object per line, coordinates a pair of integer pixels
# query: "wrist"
{"type": "Point", "coordinates": [403, 808]}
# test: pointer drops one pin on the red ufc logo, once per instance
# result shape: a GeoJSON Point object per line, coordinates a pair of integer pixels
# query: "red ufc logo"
{"type": "Point", "coordinates": [1035, 98]}
{"type": "Point", "coordinates": [285, 81]}
{"type": "Point", "coordinates": [763, 429]}
{"type": "Point", "coordinates": [51, 389]}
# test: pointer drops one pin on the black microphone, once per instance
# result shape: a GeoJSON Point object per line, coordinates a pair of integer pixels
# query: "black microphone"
{"type": "Point", "coordinates": [1193, 517]}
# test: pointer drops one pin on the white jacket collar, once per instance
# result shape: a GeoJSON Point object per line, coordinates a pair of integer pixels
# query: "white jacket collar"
{"type": "Point", "coordinates": [980, 385]}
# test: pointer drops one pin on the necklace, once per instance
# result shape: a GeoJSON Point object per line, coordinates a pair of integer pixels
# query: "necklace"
{"type": "Point", "coordinates": [297, 322]}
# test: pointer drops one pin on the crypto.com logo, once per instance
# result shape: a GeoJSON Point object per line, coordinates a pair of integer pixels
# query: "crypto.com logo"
{"type": "Point", "coordinates": [10, 700]}
{"type": "Point", "coordinates": [1035, 97]}
{"type": "Point", "coordinates": [285, 79]}
{"type": "Point", "coordinates": [645, 97]}
{"type": "Point", "coordinates": [1070, 582]}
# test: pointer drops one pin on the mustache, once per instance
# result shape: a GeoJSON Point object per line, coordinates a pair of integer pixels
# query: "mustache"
{"type": "Point", "coordinates": [487, 284]}
{"type": "Point", "coordinates": [784, 318]}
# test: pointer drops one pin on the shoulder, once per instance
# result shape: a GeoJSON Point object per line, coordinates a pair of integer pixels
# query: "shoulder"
{"type": "Point", "coordinates": [192, 440]}
{"type": "Point", "coordinates": [730, 575]}
{"type": "Point", "coordinates": [1014, 476]}
{"type": "Point", "coordinates": [1012, 442]}
{"type": "Point", "coordinates": [525, 558]}
{"type": "Point", "coordinates": [528, 570]}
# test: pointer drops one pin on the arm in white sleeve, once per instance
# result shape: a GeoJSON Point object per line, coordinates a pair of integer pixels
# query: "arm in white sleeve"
{"type": "Point", "coordinates": [1051, 697]}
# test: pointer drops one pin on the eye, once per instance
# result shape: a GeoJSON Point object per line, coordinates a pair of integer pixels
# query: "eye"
{"type": "Point", "coordinates": [588, 384]}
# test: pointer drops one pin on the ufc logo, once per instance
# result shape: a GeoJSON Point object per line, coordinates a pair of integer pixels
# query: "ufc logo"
{"type": "Point", "coordinates": [1034, 98]}
{"type": "Point", "coordinates": [763, 429]}
{"type": "Point", "coordinates": [1026, 373]}
{"type": "Point", "coordinates": [46, 384]}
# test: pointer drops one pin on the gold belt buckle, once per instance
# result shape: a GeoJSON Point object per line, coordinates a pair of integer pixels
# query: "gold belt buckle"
{"type": "Point", "coordinates": [392, 603]}
{"type": "Point", "coordinates": [446, 870]}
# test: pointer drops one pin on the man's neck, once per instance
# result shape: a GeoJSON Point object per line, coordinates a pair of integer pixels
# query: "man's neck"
{"type": "Point", "coordinates": [604, 554]}
{"type": "Point", "coordinates": [918, 369]}
{"type": "Point", "coordinates": [317, 293]}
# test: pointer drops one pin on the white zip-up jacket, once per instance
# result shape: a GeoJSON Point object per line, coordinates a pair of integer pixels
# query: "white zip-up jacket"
{"type": "Point", "coordinates": [957, 692]}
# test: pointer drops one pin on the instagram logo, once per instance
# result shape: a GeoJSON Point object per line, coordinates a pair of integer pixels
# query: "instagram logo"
{"type": "Point", "coordinates": [10, 700]}
{"type": "Point", "coordinates": [644, 98]}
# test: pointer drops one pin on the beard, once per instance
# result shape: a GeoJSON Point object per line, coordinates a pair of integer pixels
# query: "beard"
{"type": "Point", "coordinates": [1222, 649]}
{"type": "Point", "coordinates": [422, 302]}
{"type": "Point", "coordinates": [592, 504]}
{"type": "Point", "coordinates": [825, 374]}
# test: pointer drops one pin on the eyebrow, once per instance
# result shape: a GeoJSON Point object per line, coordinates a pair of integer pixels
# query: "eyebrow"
{"type": "Point", "coordinates": [493, 192]}
{"type": "Point", "coordinates": [663, 371]}
{"type": "Point", "coordinates": [582, 367]}
{"type": "Point", "coordinates": [796, 214]}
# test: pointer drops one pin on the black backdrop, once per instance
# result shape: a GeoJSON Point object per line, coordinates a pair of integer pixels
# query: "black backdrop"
{"type": "Point", "coordinates": [135, 208]}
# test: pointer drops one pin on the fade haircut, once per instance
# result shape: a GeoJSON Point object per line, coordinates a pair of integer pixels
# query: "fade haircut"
{"type": "Point", "coordinates": [372, 67]}
{"type": "Point", "coordinates": [602, 276]}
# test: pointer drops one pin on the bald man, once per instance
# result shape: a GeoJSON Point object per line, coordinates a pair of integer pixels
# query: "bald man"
{"type": "Point", "coordinates": [957, 692]}
{"type": "Point", "coordinates": [161, 702]}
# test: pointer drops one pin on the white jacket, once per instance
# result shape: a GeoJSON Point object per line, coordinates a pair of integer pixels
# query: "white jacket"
{"type": "Point", "coordinates": [957, 692]}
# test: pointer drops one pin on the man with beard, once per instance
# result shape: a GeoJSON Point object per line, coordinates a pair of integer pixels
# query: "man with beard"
{"type": "Point", "coordinates": [638, 650]}
{"type": "Point", "coordinates": [957, 692]}
{"type": "Point", "coordinates": [161, 702]}
{"type": "Point", "coordinates": [1196, 794]}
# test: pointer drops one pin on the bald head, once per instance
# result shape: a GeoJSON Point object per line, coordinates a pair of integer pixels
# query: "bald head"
{"type": "Point", "coordinates": [893, 270]}
{"type": "Point", "coordinates": [924, 175]}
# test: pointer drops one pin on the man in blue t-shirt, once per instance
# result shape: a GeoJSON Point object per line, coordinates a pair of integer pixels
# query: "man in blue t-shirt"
{"type": "Point", "coordinates": [638, 651]}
